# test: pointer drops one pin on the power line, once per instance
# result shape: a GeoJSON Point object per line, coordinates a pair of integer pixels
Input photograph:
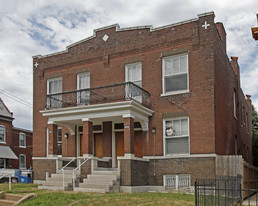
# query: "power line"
{"type": "Point", "coordinates": [17, 100]}
{"type": "Point", "coordinates": [9, 93]}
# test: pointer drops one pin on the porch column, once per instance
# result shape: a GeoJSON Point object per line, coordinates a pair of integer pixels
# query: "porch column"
{"type": "Point", "coordinates": [52, 136]}
{"type": "Point", "coordinates": [87, 138]}
{"type": "Point", "coordinates": [128, 134]}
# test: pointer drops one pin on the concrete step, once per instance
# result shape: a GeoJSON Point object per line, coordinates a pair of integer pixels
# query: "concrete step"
{"type": "Point", "coordinates": [106, 172]}
{"type": "Point", "coordinates": [100, 181]}
{"type": "Point", "coordinates": [66, 170]}
{"type": "Point", "coordinates": [102, 177]}
{"type": "Point", "coordinates": [4, 202]}
{"type": "Point", "coordinates": [59, 176]}
{"type": "Point", "coordinates": [55, 188]}
{"type": "Point", "coordinates": [59, 184]}
{"type": "Point", "coordinates": [103, 186]}
{"type": "Point", "coordinates": [13, 197]}
{"type": "Point", "coordinates": [59, 180]}
{"type": "Point", "coordinates": [78, 189]}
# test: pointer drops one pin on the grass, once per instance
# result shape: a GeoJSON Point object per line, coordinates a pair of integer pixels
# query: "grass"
{"type": "Point", "coordinates": [60, 198]}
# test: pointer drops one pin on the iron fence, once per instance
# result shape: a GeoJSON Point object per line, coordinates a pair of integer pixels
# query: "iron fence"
{"type": "Point", "coordinates": [223, 191]}
{"type": "Point", "coordinates": [103, 94]}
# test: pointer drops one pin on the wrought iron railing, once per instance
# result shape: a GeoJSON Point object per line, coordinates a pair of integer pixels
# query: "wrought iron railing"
{"type": "Point", "coordinates": [103, 94]}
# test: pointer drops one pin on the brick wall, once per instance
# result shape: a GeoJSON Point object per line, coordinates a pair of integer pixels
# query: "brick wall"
{"type": "Point", "coordinates": [134, 173]}
{"type": "Point", "coordinates": [196, 167]}
{"type": "Point", "coordinates": [40, 167]}
{"type": "Point", "coordinates": [208, 104]}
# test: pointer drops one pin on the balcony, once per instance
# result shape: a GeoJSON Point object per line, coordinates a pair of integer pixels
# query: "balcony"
{"type": "Point", "coordinates": [104, 94]}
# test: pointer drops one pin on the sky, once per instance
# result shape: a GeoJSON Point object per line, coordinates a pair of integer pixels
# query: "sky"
{"type": "Point", "coordinates": [33, 27]}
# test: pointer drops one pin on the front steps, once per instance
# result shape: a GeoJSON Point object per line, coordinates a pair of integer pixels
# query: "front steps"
{"type": "Point", "coordinates": [9, 199]}
{"type": "Point", "coordinates": [55, 182]}
{"type": "Point", "coordinates": [104, 180]}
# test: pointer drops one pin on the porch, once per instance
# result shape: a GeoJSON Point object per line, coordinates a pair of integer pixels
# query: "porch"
{"type": "Point", "coordinates": [105, 122]}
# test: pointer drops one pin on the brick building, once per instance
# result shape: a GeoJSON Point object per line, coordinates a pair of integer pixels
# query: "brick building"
{"type": "Point", "coordinates": [15, 143]}
{"type": "Point", "coordinates": [147, 102]}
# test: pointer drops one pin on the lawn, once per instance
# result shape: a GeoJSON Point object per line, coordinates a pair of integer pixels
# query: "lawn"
{"type": "Point", "coordinates": [59, 198]}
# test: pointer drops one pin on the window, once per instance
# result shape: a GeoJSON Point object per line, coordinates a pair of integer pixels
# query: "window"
{"type": "Point", "coordinates": [175, 74]}
{"type": "Point", "coordinates": [243, 115]}
{"type": "Point", "coordinates": [2, 133]}
{"type": "Point", "coordinates": [234, 102]}
{"type": "Point", "coordinates": [133, 73]}
{"type": "Point", "coordinates": [176, 136]}
{"type": "Point", "coordinates": [22, 140]}
{"type": "Point", "coordinates": [54, 86]}
{"type": "Point", "coordinates": [247, 123]}
{"type": "Point", "coordinates": [83, 83]}
{"type": "Point", "coordinates": [22, 159]}
{"type": "Point", "coordinates": [59, 141]}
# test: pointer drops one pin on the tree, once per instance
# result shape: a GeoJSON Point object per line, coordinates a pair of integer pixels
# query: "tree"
{"type": "Point", "coordinates": [255, 135]}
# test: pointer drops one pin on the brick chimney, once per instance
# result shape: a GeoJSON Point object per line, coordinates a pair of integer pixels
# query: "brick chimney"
{"type": "Point", "coordinates": [222, 34]}
{"type": "Point", "coordinates": [248, 100]}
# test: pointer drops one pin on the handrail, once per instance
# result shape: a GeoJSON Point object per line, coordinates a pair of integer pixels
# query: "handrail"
{"type": "Point", "coordinates": [62, 169]}
{"type": "Point", "coordinates": [68, 163]}
{"type": "Point", "coordinates": [79, 168]}
{"type": "Point", "coordinates": [10, 182]}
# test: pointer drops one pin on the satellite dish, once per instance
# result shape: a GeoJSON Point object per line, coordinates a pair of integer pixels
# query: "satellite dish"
{"type": "Point", "coordinates": [169, 131]}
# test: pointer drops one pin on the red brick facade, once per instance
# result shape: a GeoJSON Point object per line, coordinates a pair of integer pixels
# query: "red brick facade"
{"type": "Point", "coordinates": [208, 104]}
{"type": "Point", "coordinates": [12, 140]}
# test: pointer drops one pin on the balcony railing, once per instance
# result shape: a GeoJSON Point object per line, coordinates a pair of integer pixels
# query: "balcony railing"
{"type": "Point", "coordinates": [99, 95]}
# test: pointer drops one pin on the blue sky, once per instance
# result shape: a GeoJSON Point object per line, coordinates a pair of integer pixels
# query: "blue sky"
{"type": "Point", "coordinates": [32, 27]}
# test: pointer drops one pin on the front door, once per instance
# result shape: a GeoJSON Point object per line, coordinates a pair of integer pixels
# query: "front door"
{"type": "Point", "coordinates": [98, 146]}
{"type": "Point", "coordinates": [119, 145]}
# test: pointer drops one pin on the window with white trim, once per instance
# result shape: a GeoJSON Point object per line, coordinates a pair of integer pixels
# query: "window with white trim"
{"type": "Point", "coordinates": [22, 139]}
{"type": "Point", "coordinates": [175, 74]}
{"type": "Point", "coordinates": [176, 136]}
{"type": "Point", "coordinates": [2, 133]}
{"type": "Point", "coordinates": [83, 82]}
{"type": "Point", "coordinates": [133, 73]}
{"type": "Point", "coordinates": [22, 160]}
{"type": "Point", "coordinates": [234, 102]}
{"type": "Point", "coordinates": [54, 86]}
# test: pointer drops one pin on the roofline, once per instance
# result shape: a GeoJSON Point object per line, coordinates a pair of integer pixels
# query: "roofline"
{"type": "Point", "coordinates": [24, 130]}
{"type": "Point", "coordinates": [118, 29]}
{"type": "Point", "coordinates": [6, 108]}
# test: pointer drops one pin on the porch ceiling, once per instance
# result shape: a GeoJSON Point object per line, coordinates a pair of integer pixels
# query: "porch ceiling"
{"type": "Point", "coordinates": [99, 113]}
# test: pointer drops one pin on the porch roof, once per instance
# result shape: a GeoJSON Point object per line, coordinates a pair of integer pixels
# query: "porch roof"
{"type": "Point", "coordinates": [7, 153]}
{"type": "Point", "coordinates": [97, 113]}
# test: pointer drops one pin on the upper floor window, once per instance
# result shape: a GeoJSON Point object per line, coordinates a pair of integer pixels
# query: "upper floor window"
{"type": "Point", "coordinates": [133, 73]}
{"type": "Point", "coordinates": [175, 74]}
{"type": "Point", "coordinates": [22, 141]}
{"type": "Point", "coordinates": [54, 86]}
{"type": "Point", "coordinates": [176, 136]}
{"type": "Point", "coordinates": [234, 103]}
{"type": "Point", "coordinates": [83, 82]}
{"type": "Point", "coordinates": [2, 134]}
{"type": "Point", "coordinates": [243, 115]}
{"type": "Point", "coordinates": [247, 123]}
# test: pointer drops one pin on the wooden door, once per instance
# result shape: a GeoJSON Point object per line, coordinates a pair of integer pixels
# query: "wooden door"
{"type": "Point", "coordinates": [98, 145]}
{"type": "Point", "coordinates": [119, 145]}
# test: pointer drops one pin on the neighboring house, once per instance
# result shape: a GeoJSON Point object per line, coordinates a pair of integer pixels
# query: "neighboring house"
{"type": "Point", "coordinates": [15, 143]}
{"type": "Point", "coordinates": [153, 102]}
